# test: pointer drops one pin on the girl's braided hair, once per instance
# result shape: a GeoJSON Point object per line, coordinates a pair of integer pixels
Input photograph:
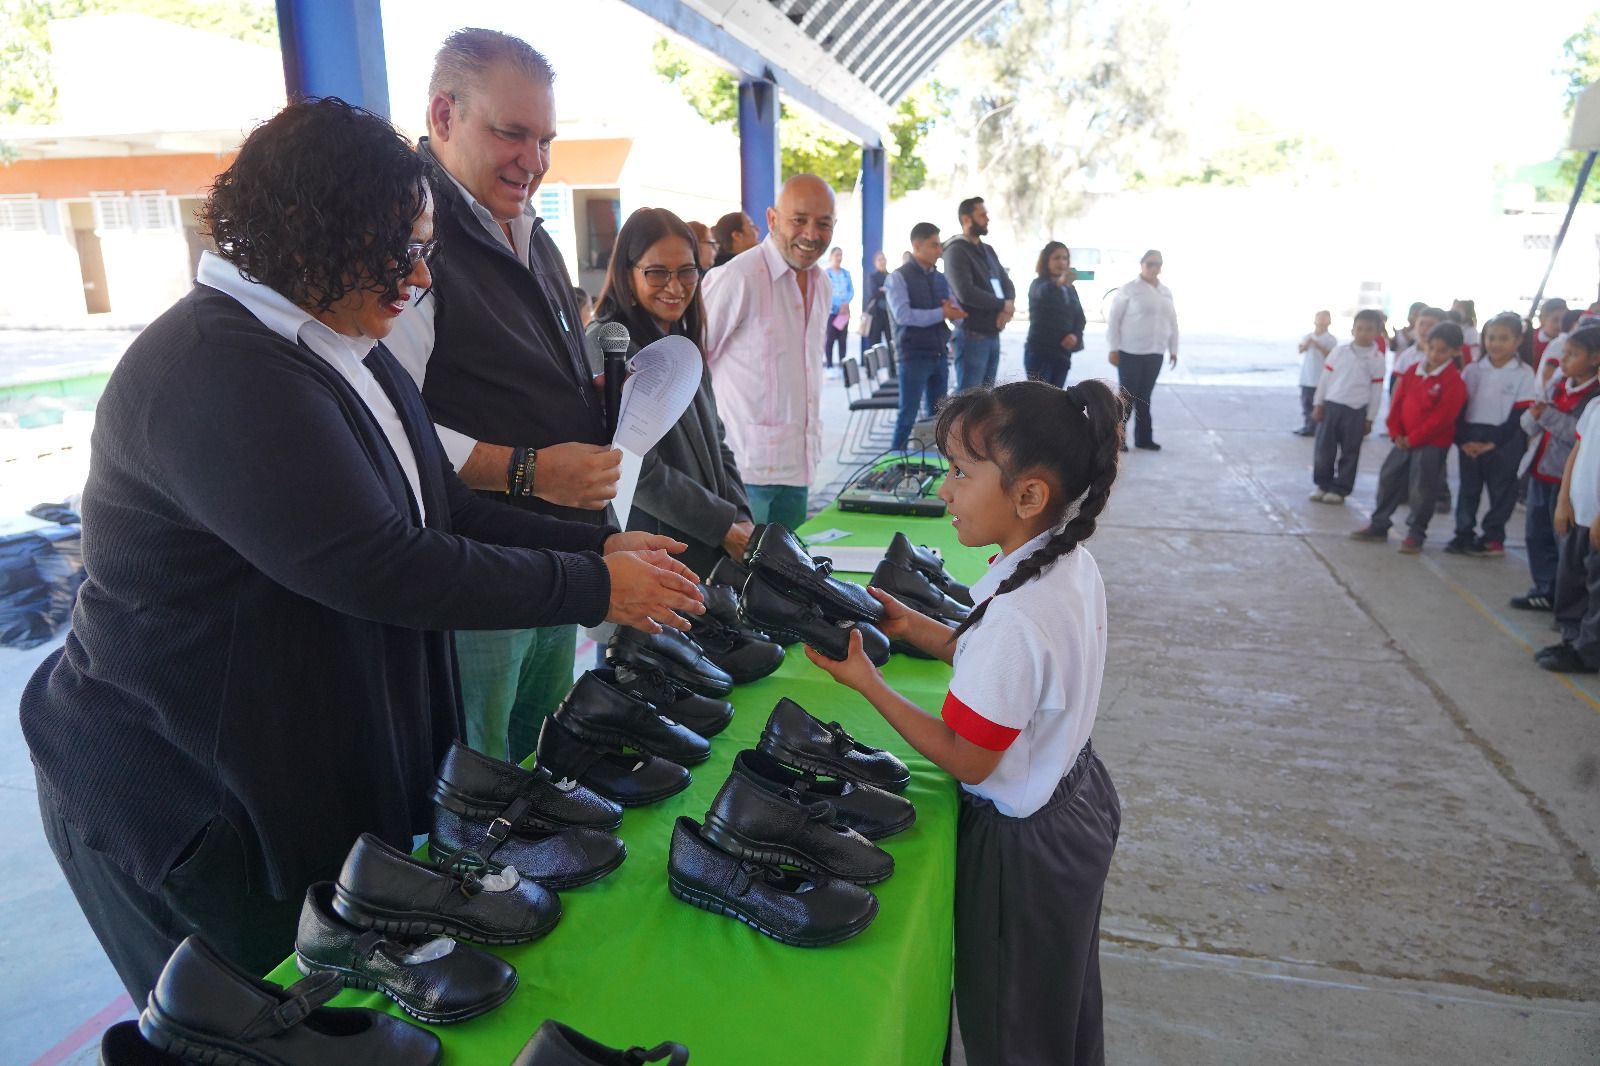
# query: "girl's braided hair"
{"type": "Point", "coordinates": [1071, 437]}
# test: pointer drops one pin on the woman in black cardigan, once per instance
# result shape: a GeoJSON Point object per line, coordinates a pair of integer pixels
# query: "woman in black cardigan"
{"type": "Point", "coordinates": [690, 487]}
{"type": "Point", "coordinates": [1055, 317]}
{"type": "Point", "coordinates": [275, 550]}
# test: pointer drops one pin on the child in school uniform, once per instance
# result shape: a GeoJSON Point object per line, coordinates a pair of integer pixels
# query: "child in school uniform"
{"type": "Point", "coordinates": [1500, 387]}
{"type": "Point", "coordinates": [1343, 405]}
{"type": "Point", "coordinates": [1031, 468]}
{"type": "Point", "coordinates": [1422, 425]}
{"type": "Point", "coordinates": [1577, 523]}
{"type": "Point", "coordinates": [1553, 424]}
{"type": "Point", "coordinates": [1417, 351]}
{"type": "Point", "coordinates": [1314, 349]}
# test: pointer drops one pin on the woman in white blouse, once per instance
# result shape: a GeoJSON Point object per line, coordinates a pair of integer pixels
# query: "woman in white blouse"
{"type": "Point", "coordinates": [1141, 328]}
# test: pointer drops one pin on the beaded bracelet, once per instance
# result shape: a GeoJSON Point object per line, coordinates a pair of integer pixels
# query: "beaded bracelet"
{"type": "Point", "coordinates": [520, 475]}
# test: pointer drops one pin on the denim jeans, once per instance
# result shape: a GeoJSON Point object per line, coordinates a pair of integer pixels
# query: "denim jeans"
{"type": "Point", "coordinates": [1543, 545]}
{"type": "Point", "coordinates": [784, 504]}
{"type": "Point", "coordinates": [977, 357]}
{"type": "Point", "coordinates": [511, 680]}
{"type": "Point", "coordinates": [921, 378]}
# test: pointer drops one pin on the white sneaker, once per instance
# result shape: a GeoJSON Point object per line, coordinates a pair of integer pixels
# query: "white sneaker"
{"type": "Point", "coordinates": [1332, 497]}
{"type": "Point", "coordinates": [1317, 496]}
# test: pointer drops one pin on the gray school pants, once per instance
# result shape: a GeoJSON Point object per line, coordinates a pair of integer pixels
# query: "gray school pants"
{"type": "Point", "coordinates": [1338, 447]}
{"type": "Point", "coordinates": [1415, 477]}
{"type": "Point", "coordinates": [1577, 598]}
{"type": "Point", "coordinates": [1028, 896]}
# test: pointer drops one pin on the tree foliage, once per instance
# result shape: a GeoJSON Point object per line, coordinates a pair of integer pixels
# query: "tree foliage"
{"type": "Point", "coordinates": [808, 145]}
{"type": "Point", "coordinates": [1257, 150]}
{"type": "Point", "coordinates": [1058, 98]}
{"type": "Point", "coordinates": [1581, 69]}
{"type": "Point", "coordinates": [27, 89]}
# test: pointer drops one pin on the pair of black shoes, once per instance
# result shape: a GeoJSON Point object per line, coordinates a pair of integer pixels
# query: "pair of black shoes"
{"type": "Point", "coordinates": [608, 738]}
{"type": "Point", "coordinates": [560, 1045]}
{"type": "Point", "coordinates": [206, 1009]}
{"type": "Point", "coordinates": [746, 654]}
{"type": "Point", "coordinates": [919, 558]}
{"type": "Point", "coordinates": [730, 573]}
{"type": "Point", "coordinates": [555, 832]}
{"type": "Point", "coordinates": [770, 820]}
{"type": "Point", "coordinates": [1563, 658]}
{"type": "Point", "coordinates": [792, 596]}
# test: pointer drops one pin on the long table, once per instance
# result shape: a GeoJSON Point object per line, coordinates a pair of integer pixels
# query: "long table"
{"type": "Point", "coordinates": [629, 964]}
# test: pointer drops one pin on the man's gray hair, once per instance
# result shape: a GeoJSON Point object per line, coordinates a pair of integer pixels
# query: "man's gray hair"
{"type": "Point", "coordinates": [467, 55]}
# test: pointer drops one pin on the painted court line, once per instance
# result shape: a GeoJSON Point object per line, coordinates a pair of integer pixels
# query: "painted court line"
{"type": "Point", "coordinates": [88, 1031]}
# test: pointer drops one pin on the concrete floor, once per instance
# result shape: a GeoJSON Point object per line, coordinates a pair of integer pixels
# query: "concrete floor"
{"type": "Point", "coordinates": [1360, 824]}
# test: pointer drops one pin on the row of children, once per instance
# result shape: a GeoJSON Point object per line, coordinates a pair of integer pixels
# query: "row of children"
{"type": "Point", "coordinates": [1506, 424]}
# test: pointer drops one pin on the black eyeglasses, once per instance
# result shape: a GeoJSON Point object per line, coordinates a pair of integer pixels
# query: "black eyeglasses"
{"type": "Point", "coordinates": [658, 277]}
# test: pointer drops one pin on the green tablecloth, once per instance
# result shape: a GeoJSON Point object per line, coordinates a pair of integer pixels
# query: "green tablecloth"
{"type": "Point", "coordinates": [629, 964]}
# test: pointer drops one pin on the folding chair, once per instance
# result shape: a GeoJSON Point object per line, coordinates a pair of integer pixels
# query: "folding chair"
{"type": "Point", "coordinates": [859, 431]}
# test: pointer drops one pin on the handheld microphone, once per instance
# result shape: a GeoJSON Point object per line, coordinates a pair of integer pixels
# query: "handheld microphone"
{"type": "Point", "coordinates": [614, 341]}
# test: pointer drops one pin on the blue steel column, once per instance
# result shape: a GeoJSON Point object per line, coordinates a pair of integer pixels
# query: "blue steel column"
{"type": "Point", "coordinates": [334, 48]}
{"type": "Point", "coordinates": [758, 148]}
{"type": "Point", "coordinates": [874, 185]}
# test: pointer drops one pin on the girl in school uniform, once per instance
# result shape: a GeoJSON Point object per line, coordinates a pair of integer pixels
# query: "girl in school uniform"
{"type": "Point", "coordinates": [1031, 468]}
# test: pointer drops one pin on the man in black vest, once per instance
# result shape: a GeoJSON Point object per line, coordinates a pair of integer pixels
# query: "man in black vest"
{"type": "Point", "coordinates": [919, 306]}
{"type": "Point", "coordinates": [497, 349]}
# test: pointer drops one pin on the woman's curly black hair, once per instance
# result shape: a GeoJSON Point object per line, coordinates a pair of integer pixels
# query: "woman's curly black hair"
{"type": "Point", "coordinates": [319, 204]}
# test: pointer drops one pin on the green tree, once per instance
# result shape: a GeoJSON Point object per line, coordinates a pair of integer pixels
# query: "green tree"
{"type": "Point", "coordinates": [808, 145]}
{"type": "Point", "coordinates": [1257, 150]}
{"type": "Point", "coordinates": [27, 90]}
{"type": "Point", "coordinates": [1581, 69]}
{"type": "Point", "coordinates": [1057, 98]}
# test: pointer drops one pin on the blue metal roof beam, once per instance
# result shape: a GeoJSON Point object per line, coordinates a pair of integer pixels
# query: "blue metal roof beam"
{"type": "Point", "coordinates": [719, 42]}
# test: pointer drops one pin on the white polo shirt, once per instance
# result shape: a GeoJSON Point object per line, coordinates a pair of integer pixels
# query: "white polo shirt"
{"type": "Point", "coordinates": [1353, 377]}
{"type": "Point", "coordinates": [1311, 360]}
{"type": "Point", "coordinates": [1027, 676]}
{"type": "Point", "coordinates": [1585, 471]}
{"type": "Point", "coordinates": [1494, 392]}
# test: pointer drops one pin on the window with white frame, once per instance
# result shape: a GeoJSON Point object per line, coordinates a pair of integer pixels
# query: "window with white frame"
{"type": "Point", "coordinates": [112, 211]}
{"type": "Point", "coordinates": [153, 209]}
{"type": "Point", "coordinates": [20, 213]}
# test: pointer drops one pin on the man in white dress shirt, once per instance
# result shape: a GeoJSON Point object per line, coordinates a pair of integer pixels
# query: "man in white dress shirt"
{"type": "Point", "coordinates": [1142, 326]}
{"type": "Point", "coordinates": [766, 311]}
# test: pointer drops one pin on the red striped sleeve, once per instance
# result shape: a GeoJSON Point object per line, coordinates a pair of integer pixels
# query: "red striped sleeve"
{"type": "Point", "coordinates": [974, 727]}
{"type": "Point", "coordinates": [1522, 405]}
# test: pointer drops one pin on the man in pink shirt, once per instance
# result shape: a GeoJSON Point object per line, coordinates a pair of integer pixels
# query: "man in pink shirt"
{"type": "Point", "coordinates": [766, 312]}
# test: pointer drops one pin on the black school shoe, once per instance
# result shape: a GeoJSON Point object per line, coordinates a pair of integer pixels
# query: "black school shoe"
{"type": "Point", "coordinates": [674, 653]}
{"type": "Point", "coordinates": [748, 820]}
{"type": "Point", "coordinates": [794, 737]}
{"type": "Point", "coordinates": [462, 982]}
{"type": "Point", "coordinates": [732, 574]}
{"type": "Point", "coordinates": [805, 910]}
{"type": "Point", "coordinates": [870, 811]}
{"type": "Point", "coordinates": [904, 553]}
{"type": "Point", "coordinates": [479, 787]}
{"type": "Point", "coordinates": [562, 859]}
{"type": "Point", "coordinates": [912, 588]}
{"type": "Point", "coordinates": [1563, 658]}
{"type": "Point", "coordinates": [766, 606]}
{"type": "Point", "coordinates": [121, 1045]}
{"type": "Point", "coordinates": [205, 1009]}
{"type": "Point", "coordinates": [783, 561]}
{"type": "Point", "coordinates": [555, 1044]}
{"type": "Point", "coordinates": [626, 779]}
{"type": "Point", "coordinates": [601, 712]}
{"type": "Point", "coordinates": [385, 889]}
{"type": "Point", "coordinates": [1460, 544]}
{"type": "Point", "coordinates": [704, 715]}
{"type": "Point", "coordinates": [743, 653]}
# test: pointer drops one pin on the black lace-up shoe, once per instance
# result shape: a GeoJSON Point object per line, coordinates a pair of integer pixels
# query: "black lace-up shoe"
{"type": "Point", "coordinates": [766, 606]}
{"type": "Point", "coordinates": [743, 656]}
{"type": "Point", "coordinates": [752, 822]}
{"type": "Point", "coordinates": [623, 778]}
{"type": "Point", "coordinates": [478, 787]}
{"type": "Point", "coordinates": [674, 653]}
{"type": "Point", "coordinates": [783, 561]}
{"type": "Point", "coordinates": [805, 910]}
{"type": "Point", "coordinates": [704, 715]}
{"type": "Point", "coordinates": [385, 889]}
{"type": "Point", "coordinates": [870, 811]}
{"type": "Point", "coordinates": [912, 588]}
{"type": "Point", "coordinates": [205, 1009]}
{"type": "Point", "coordinates": [558, 1045]}
{"type": "Point", "coordinates": [904, 553]}
{"type": "Point", "coordinates": [601, 712]}
{"type": "Point", "coordinates": [435, 980]}
{"type": "Point", "coordinates": [794, 737]}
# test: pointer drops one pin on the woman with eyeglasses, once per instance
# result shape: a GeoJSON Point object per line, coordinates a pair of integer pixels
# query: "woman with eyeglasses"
{"type": "Point", "coordinates": [275, 549]}
{"type": "Point", "coordinates": [690, 488]}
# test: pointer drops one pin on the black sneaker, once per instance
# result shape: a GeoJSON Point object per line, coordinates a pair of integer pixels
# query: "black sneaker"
{"type": "Point", "coordinates": [1460, 544]}
{"type": "Point", "coordinates": [1533, 601]}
